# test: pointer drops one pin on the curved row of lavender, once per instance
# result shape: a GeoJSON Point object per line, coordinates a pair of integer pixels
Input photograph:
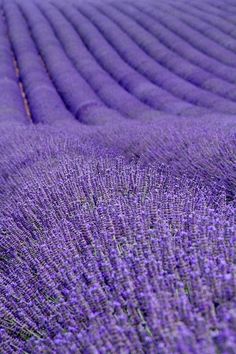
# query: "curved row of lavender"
{"type": "Point", "coordinates": [118, 177]}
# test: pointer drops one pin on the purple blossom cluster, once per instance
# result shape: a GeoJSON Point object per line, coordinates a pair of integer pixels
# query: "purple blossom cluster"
{"type": "Point", "coordinates": [117, 177]}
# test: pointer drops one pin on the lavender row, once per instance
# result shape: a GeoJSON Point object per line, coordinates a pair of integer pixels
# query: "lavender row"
{"type": "Point", "coordinates": [110, 92]}
{"type": "Point", "coordinates": [147, 67]}
{"type": "Point", "coordinates": [222, 20]}
{"type": "Point", "coordinates": [169, 58]}
{"type": "Point", "coordinates": [80, 96]}
{"type": "Point", "coordinates": [73, 89]}
{"type": "Point", "coordinates": [184, 46]}
{"type": "Point", "coordinates": [228, 7]}
{"type": "Point", "coordinates": [124, 74]}
{"type": "Point", "coordinates": [129, 50]}
{"type": "Point", "coordinates": [149, 44]}
{"type": "Point", "coordinates": [205, 28]}
{"type": "Point", "coordinates": [212, 9]}
{"type": "Point", "coordinates": [45, 104]}
{"type": "Point", "coordinates": [151, 69]}
{"type": "Point", "coordinates": [218, 23]}
{"type": "Point", "coordinates": [230, 17]}
{"type": "Point", "coordinates": [11, 102]}
{"type": "Point", "coordinates": [74, 92]}
{"type": "Point", "coordinates": [202, 42]}
{"type": "Point", "coordinates": [182, 87]}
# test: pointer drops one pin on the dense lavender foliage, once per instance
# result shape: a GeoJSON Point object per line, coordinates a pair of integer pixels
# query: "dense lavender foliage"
{"type": "Point", "coordinates": [118, 177]}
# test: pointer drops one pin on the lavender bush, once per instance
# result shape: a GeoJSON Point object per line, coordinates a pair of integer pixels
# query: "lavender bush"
{"type": "Point", "coordinates": [117, 177]}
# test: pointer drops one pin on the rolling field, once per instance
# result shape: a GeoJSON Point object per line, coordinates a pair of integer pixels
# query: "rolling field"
{"type": "Point", "coordinates": [118, 176]}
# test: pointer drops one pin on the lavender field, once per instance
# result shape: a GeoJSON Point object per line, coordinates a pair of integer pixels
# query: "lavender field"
{"type": "Point", "coordinates": [118, 176]}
